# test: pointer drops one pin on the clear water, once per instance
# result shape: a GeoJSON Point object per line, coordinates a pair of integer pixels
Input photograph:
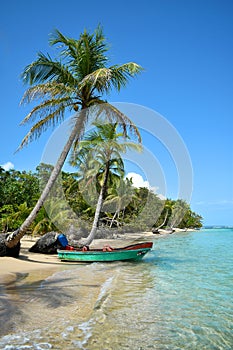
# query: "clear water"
{"type": "Point", "coordinates": [178, 297]}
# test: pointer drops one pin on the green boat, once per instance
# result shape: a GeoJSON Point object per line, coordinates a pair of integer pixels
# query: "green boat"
{"type": "Point", "coordinates": [132, 252]}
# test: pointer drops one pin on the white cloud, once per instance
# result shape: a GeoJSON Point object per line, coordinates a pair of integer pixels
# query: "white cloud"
{"type": "Point", "coordinates": [138, 181]}
{"type": "Point", "coordinates": [7, 166]}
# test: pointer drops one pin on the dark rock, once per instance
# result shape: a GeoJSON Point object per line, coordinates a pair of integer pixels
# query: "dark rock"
{"type": "Point", "coordinates": [2, 245]}
{"type": "Point", "coordinates": [5, 251]}
{"type": "Point", "coordinates": [13, 252]}
{"type": "Point", "coordinates": [47, 244]}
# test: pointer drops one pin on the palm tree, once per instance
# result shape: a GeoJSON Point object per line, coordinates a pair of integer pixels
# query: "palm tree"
{"type": "Point", "coordinates": [103, 148]}
{"type": "Point", "coordinates": [73, 82]}
{"type": "Point", "coordinates": [121, 195]}
{"type": "Point", "coordinates": [179, 208]}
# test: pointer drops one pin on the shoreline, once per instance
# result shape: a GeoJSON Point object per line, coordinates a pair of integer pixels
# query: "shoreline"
{"type": "Point", "coordinates": [28, 261]}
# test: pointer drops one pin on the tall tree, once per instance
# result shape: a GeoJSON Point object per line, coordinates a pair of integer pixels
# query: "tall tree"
{"type": "Point", "coordinates": [75, 81]}
{"type": "Point", "coordinates": [102, 148]}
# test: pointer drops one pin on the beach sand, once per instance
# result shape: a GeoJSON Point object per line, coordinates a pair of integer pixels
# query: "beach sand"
{"type": "Point", "coordinates": [36, 290]}
{"type": "Point", "coordinates": [42, 298]}
{"type": "Point", "coordinates": [28, 261]}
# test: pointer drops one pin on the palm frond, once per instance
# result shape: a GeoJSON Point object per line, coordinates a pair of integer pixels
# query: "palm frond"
{"type": "Point", "coordinates": [104, 79]}
{"type": "Point", "coordinates": [49, 89]}
{"type": "Point", "coordinates": [42, 125]}
{"type": "Point", "coordinates": [45, 69]}
{"type": "Point", "coordinates": [47, 108]}
{"type": "Point", "coordinates": [71, 44]}
{"type": "Point", "coordinates": [122, 74]}
{"type": "Point", "coordinates": [99, 79]}
{"type": "Point", "coordinates": [92, 52]}
{"type": "Point", "coordinates": [84, 55]}
{"type": "Point", "coordinates": [106, 112]}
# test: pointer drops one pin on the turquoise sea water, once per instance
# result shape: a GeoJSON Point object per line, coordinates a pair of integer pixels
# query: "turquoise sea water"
{"type": "Point", "coordinates": [179, 297]}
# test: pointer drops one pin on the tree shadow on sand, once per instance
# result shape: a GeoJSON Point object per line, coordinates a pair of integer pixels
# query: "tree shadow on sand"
{"type": "Point", "coordinates": [51, 293]}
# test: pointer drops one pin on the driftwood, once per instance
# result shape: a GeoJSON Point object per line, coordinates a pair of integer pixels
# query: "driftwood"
{"type": "Point", "coordinates": [169, 230]}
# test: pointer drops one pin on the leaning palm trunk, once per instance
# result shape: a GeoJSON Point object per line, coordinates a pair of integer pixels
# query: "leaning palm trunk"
{"type": "Point", "coordinates": [116, 214]}
{"type": "Point", "coordinates": [99, 206]}
{"type": "Point", "coordinates": [113, 218]}
{"type": "Point", "coordinates": [163, 223]}
{"type": "Point", "coordinates": [14, 238]}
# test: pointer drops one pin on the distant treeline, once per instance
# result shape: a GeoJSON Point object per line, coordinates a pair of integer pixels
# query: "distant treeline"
{"type": "Point", "coordinates": [125, 207]}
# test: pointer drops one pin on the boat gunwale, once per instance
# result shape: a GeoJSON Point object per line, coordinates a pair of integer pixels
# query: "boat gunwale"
{"type": "Point", "coordinates": [141, 245]}
{"type": "Point", "coordinates": [98, 252]}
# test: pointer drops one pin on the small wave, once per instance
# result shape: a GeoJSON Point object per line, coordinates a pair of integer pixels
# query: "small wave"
{"type": "Point", "coordinates": [98, 315]}
{"type": "Point", "coordinates": [86, 328]}
{"type": "Point", "coordinates": [104, 293]}
{"type": "Point", "coordinates": [22, 342]}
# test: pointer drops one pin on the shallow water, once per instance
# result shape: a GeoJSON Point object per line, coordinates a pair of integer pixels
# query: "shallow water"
{"type": "Point", "coordinates": [178, 297]}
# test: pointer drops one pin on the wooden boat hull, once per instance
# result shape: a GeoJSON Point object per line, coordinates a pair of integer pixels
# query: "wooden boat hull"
{"type": "Point", "coordinates": [133, 252]}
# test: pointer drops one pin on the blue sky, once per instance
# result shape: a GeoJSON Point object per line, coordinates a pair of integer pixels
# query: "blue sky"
{"type": "Point", "coordinates": [186, 49]}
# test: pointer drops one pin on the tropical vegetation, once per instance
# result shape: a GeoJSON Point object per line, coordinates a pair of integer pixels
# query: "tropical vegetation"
{"type": "Point", "coordinates": [123, 204]}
